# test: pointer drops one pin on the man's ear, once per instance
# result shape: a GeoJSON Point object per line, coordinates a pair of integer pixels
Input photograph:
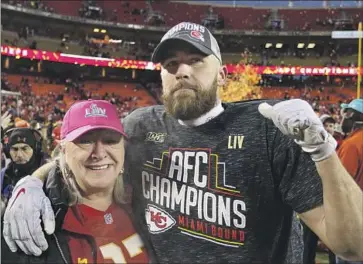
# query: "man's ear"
{"type": "Point", "coordinates": [222, 75]}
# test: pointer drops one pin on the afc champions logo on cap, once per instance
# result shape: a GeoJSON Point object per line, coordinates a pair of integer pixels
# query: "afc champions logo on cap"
{"type": "Point", "coordinates": [94, 110]}
{"type": "Point", "coordinates": [197, 35]}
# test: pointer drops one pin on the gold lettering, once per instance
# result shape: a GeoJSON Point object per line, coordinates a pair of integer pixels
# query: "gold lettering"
{"type": "Point", "coordinates": [235, 142]}
{"type": "Point", "coordinates": [82, 261]}
{"type": "Point", "coordinates": [229, 142]}
{"type": "Point", "coordinates": [240, 141]}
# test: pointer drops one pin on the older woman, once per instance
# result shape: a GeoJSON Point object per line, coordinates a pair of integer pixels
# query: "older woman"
{"type": "Point", "coordinates": [93, 223]}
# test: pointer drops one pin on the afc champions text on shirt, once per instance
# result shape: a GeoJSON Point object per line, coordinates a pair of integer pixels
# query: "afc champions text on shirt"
{"type": "Point", "coordinates": [212, 210]}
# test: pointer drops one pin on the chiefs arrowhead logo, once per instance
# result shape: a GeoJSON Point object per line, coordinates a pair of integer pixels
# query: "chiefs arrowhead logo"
{"type": "Point", "coordinates": [158, 220]}
{"type": "Point", "coordinates": [197, 35]}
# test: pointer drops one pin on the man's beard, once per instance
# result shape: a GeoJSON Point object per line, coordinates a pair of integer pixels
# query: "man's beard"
{"type": "Point", "coordinates": [347, 125]}
{"type": "Point", "coordinates": [191, 101]}
{"type": "Point", "coordinates": [353, 122]}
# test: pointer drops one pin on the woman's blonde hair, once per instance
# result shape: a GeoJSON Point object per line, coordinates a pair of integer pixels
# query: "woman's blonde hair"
{"type": "Point", "coordinates": [73, 189]}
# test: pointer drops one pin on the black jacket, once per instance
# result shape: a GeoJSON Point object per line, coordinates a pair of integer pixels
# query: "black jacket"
{"type": "Point", "coordinates": [12, 173]}
{"type": "Point", "coordinates": [58, 250]}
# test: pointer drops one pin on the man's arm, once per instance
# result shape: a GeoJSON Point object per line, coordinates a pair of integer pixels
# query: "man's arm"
{"type": "Point", "coordinates": [339, 222]}
{"type": "Point", "coordinates": [42, 172]}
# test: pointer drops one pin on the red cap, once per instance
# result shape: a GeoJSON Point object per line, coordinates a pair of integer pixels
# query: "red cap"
{"type": "Point", "coordinates": [85, 116]}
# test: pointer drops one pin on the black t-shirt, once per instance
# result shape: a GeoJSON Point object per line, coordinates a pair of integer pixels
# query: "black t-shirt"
{"type": "Point", "coordinates": [224, 191]}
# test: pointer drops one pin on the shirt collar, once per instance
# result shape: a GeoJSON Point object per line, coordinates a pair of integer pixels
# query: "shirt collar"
{"type": "Point", "coordinates": [214, 112]}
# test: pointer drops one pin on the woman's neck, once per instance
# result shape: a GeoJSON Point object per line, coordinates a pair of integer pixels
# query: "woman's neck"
{"type": "Point", "coordinates": [98, 201]}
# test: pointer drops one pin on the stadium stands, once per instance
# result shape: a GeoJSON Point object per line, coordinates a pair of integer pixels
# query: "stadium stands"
{"type": "Point", "coordinates": [39, 92]}
{"type": "Point", "coordinates": [51, 44]}
{"type": "Point", "coordinates": [238, 17]}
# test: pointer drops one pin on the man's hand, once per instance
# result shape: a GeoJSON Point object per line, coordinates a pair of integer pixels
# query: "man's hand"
{"type": "Point", "coordinates": [5, 119]}
{"type": "Point", "coordinates": [22, 217]}
{"type": "Point", "coordinates": [296, 118]}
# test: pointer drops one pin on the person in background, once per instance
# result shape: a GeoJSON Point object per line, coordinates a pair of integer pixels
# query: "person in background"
{"type": "Point", "coordinates": [23, 147]}
{"type": "Point", "coordinates": [35, 125]}
{"type": "Point", "coordinates": [329, 125]}
{"type": "Point", "coordinates": [310, 243]}
{"type": "Point", "coordinates": [5, 121]}
{"type": "Point", "coordinates": [56, 133]}
{"type": "Point", "coordinates": [351, 149]}
{"type": "Point", "coordinates": [50, 127]}
{"type": "Point", "coordinates": [21, 123]}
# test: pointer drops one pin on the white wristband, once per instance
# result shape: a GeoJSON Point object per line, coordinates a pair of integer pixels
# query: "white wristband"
{"type": "Point", "coordinates": [322, 151]}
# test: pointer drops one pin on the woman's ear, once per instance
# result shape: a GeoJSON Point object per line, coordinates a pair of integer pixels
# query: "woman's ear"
{"type": "Point", "coordinates": [222, 75]}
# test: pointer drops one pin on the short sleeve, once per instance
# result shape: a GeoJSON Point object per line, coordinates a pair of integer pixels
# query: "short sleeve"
{"type": "Point", "coordinates": [132, 124]}
{"type": "Point", "coordinates": [295, 173]}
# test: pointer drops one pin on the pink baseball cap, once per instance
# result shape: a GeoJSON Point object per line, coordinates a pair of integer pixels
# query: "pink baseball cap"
{"type": "Point", "coordinates": [84, 116]}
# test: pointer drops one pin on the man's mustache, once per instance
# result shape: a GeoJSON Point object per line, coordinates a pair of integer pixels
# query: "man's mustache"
{"type": "Point", "coordinates": [184, 85]}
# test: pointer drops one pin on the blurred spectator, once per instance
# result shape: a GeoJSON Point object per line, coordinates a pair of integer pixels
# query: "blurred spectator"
{"type": "Point", "coordinates": [329, 123]}
{"type": "Point", "coordinates": [56, 133]}
{"type": "Point", "coordinates": [20, 123]}
{"type": "Point", "coordinates": [330, 126]}
{"type": "Point", "coordinates": [5, 121]}
{"type": "Point", "coordinates": [351, 150]}
{"type": "Point", "coordinates": [310, 243]}
{"type": "Point", "coordinates": [23, 147]}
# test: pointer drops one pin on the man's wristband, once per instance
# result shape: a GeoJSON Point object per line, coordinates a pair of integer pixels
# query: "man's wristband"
{"type": "Point", "coordinates": [322, 151]}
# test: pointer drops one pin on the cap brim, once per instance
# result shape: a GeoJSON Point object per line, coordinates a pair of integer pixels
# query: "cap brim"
{"type": "Point", "coordinates": [344, 106]}
{"type": "Point", "coordinates": [82, 130]}
{"type": "Point", "coordinates": [157, 55]}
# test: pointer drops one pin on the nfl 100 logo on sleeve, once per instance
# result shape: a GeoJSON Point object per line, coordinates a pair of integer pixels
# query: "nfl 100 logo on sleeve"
{"type": "Point", "coordinates": [187, 189]}
{"type": "Point", "coordinates": [156, 137]}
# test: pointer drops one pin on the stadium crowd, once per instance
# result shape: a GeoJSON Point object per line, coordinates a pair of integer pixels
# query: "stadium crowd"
{"type": "Point", "coordinates": [139, 48]}
{"type": "Point", "coordinates": [47, 110]}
